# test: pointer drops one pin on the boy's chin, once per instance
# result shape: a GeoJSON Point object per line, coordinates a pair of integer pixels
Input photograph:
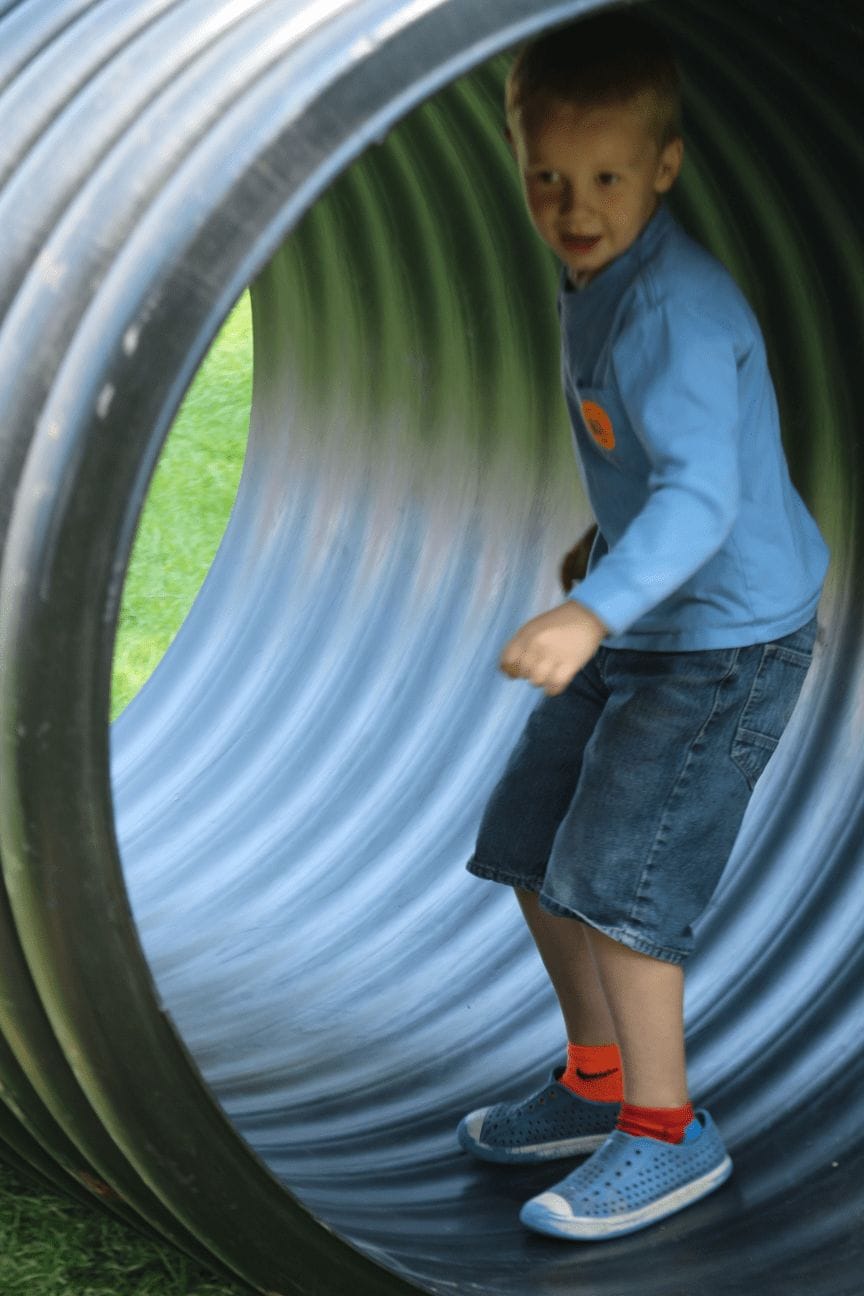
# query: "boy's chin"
{"type": "Point", "coordinates": [581, 274]}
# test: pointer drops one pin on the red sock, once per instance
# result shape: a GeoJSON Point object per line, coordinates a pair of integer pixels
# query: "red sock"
{"type": "Point", "coordinates": [665, 1123]}
{"type": "Point", "coordinates": [594, 1072]}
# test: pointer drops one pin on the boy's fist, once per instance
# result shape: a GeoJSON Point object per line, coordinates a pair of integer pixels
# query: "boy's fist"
{"type": "Point", "coordinates": [551, 648]}
{"type": "Point", "coordinates": [575, 563]}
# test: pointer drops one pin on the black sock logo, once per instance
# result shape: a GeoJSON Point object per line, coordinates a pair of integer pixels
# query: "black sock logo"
{"type": "Point", "coordinates": [594, 1075]}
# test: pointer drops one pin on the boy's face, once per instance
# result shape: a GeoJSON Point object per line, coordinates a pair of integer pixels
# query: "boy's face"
{"type": "Point", "coordinates": [592, 178]}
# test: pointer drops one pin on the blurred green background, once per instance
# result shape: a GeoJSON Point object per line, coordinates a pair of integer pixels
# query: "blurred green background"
{"type": "Point", "coordinates": [187, 508]}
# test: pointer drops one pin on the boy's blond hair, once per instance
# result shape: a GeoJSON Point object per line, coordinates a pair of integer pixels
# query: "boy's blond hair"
{"type": "Point", "coordinates": [614, 58]}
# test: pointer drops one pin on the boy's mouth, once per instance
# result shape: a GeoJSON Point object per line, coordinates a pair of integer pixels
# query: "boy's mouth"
{"type": "Point", "coordinates": [579, 242]}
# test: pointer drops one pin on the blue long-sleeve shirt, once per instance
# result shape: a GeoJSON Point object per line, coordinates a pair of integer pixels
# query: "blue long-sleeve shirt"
{"type": "Point", "coordinates": [703, 541]}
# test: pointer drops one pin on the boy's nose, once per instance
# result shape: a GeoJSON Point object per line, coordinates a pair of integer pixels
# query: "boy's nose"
{"type": "Point", "coordinates": [570, 200]}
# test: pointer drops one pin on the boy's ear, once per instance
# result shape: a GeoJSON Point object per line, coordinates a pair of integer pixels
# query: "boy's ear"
{"type": "Point", "coordinates": [670, 164]}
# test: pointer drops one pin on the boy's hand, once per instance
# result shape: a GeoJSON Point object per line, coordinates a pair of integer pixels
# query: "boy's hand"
{"type": "Point", "coordinates": [575, 563]}
{"type": "Point", "coordinates": [551, 648]}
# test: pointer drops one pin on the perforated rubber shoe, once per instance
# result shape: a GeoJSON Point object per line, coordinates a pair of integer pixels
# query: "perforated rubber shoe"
{"type": "Point", "coordinates": [554, 1122]}
{"type": "Point", "coordinates": [630, 1183]}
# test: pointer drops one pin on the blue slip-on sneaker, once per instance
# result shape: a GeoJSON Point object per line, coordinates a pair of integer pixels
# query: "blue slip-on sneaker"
{"type": "Point", "coordinates": [554, 1122]}
{"type": "Point", "coordinates": [630, 1183]}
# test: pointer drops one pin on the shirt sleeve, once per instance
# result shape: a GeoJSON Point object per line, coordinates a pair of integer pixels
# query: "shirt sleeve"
{"type": "Point", "coordinates": [677, 375]}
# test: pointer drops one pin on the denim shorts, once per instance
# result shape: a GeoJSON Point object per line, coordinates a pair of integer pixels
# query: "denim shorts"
{"type": "Point", "coordinates": [622, 799]}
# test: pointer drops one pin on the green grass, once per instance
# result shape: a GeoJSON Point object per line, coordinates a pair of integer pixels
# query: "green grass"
{"type": "Point", "coordinates": [50, 1245]}
{"type": "Point", "coordinates": [187, 508]}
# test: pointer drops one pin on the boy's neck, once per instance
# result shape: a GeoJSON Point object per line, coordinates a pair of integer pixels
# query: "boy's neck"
{"type": "Point", "coordinates": [579, 278]}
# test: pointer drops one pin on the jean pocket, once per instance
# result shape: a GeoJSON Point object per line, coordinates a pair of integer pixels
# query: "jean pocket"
{"type": "Point", "coordinates": [768, 709]}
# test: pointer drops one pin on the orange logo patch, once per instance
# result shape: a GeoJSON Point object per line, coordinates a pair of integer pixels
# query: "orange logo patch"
{"type": "Point", "coordinates": [599, 424]}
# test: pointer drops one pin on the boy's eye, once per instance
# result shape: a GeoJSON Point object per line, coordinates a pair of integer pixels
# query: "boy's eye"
{"type": "Point", "coordinates": [608, 178]}
{"type": "Point", "coordinates": [549, 177]}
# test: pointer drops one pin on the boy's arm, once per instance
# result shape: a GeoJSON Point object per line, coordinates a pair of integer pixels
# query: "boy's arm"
{"type": "Point", "coordinates": [678, 379]}
{"type": "Point", "coordinates": [574, 564]}
{"type": "Point", "coordinates": [677, 375]}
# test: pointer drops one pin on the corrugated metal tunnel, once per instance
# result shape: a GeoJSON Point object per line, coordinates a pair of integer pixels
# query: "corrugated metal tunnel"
{"type": "Point", "coordinates": [247, 988]}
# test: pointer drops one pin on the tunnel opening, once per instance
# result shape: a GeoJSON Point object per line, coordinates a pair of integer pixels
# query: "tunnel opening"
{"type": "Point", "coordinates": [408, 491]}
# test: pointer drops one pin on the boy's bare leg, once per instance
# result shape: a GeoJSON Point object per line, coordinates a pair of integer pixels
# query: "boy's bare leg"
{"type": "Point", "coordinates": [566, 953]}
{"type": "Point", "coordinates": [646, 1000]}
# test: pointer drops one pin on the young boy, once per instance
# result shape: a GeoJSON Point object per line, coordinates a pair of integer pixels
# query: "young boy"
{"type": "Point", "coordinates": [672, 670]}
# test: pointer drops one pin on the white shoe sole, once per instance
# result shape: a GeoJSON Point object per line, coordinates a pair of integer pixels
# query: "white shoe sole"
{"type": "Point", "coordinates": [552, 1214]}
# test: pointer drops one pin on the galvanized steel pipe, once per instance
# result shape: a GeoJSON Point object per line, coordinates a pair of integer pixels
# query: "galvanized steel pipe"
{"type": "Point", "coordinates": [247, 987]}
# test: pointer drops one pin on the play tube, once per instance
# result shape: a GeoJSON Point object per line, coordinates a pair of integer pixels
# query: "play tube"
{"type": "Point", "coordinates": [247, 988]}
